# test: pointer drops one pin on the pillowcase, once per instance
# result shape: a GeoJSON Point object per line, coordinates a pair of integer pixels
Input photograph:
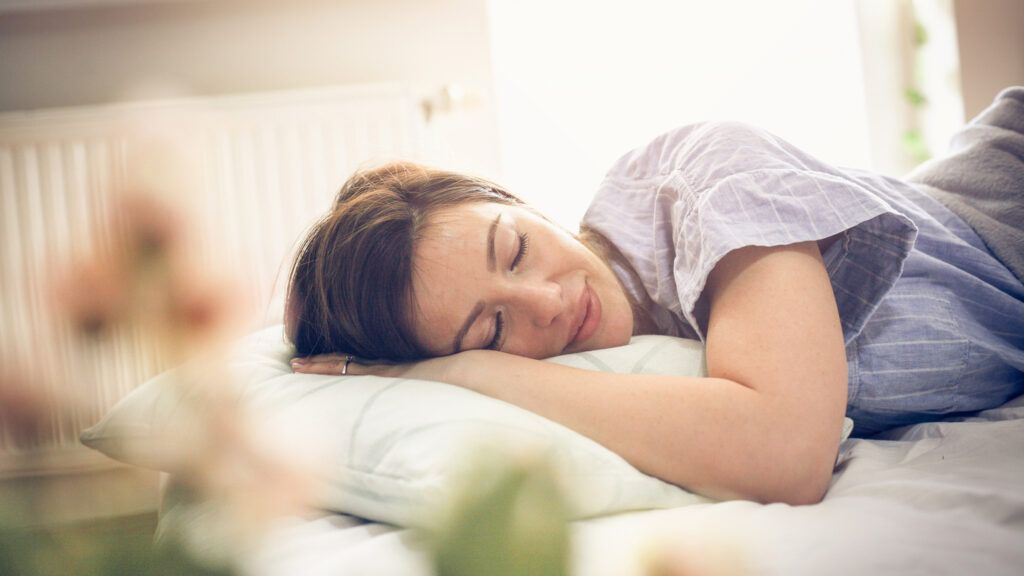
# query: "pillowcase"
{"type": "Point", "coordinates": [390, 449]}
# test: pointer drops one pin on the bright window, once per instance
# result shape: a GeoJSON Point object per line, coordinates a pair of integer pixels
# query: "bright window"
{"type": "Point", "coordinates": [581, 82]}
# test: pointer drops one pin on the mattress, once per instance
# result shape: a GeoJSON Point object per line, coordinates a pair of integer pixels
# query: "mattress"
{"type": "Point", "coordinates": [933, 498]}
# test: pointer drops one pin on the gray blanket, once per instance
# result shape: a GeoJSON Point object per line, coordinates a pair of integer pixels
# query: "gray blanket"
{"type": "Point", "coordinates": [981, 179]}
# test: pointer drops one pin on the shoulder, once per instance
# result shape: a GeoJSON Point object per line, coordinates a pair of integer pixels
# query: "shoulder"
{"type": "Point", "coordinates": [674, 170]}
{"type": "Point", "coordinates": [707, 151]}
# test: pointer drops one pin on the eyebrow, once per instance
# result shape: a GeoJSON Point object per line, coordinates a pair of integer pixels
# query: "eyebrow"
{"type": "Point", "coordinates": [491, 258]}
{"type": "Point", "coordinates": [479, 307]}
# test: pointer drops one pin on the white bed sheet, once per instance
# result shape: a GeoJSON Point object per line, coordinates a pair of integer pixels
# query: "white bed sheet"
{"type": "Point", "coordinates": [934, 498]}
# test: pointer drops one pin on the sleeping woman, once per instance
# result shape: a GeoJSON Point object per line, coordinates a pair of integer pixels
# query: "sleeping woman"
{"type": "Point", "coordinates": [817, 292]}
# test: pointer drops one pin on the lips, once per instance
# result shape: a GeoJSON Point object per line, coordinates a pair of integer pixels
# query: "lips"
{"type": "Point", "coordinates": [589, 317]}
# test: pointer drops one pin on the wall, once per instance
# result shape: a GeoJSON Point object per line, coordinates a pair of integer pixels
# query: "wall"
{"type": "Point", "coordinates": [991, 40]}
{"type": "Point", "coordinates": [596, 79]}
{"type": "Point", "coordinates": [141, 50]}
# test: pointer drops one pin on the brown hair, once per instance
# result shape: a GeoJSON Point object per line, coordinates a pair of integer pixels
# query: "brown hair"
{"type": "Point", "coordinates": [643, 323]}
{"type": "Point", "coordinates": [351, 283]}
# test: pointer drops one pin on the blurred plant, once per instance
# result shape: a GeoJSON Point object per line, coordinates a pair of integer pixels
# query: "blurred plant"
{"type": "Point", "coordinates": [913, 139]}
{"type": "Point", "coordinates": [23, 408]}
{"type": "Point", "coordinates": [509, 520]}
{"type": "Point", "coordinates": [44, 552]}
{"type": "Point", "coordinates": [713, 552]}
{"type": "Point", "coordinates": [142, 278]}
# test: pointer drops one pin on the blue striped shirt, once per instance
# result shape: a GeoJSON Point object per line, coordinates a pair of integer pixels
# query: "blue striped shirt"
{"type": "Point", "coordinates": [933, 323]}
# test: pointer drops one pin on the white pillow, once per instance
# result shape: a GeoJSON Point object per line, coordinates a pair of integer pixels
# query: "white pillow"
{"type": "Point", "coordinates": [392, 448]}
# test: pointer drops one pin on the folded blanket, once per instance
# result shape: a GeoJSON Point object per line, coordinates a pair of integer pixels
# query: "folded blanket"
{"type": "Point", "coordinates": [982, 178]}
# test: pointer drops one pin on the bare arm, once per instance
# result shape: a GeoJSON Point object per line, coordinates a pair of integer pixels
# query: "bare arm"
{"type": "Point", "coordinates": [764, 425]}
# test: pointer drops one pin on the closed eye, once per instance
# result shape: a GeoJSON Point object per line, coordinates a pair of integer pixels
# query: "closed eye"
{"type": "Point", "coordinates": [524, 245]}
{"type": "Point", "coordinates": [499, 320]}
{"type": "Point", "coordinates": [499, 329]}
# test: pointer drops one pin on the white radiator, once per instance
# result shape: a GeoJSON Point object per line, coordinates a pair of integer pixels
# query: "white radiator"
{"type": "Point", "coordinates": [265, 165]}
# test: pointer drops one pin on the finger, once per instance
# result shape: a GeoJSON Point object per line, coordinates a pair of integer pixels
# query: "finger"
{"type": "Point", "coordinates": [326, 357]}
{"type": "Point", "coordinates": [329, 367]}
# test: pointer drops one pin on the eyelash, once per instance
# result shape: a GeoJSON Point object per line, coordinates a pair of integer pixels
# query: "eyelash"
{"type": "Point", "coordinates": [524, 245]}
{"type": "Point", "coordinates": [499, 321]}
{"type": "Point", "coordinates": [499, 328]}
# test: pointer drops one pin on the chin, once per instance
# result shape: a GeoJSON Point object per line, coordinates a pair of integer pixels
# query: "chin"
{"type": "Point", "coordinates": [619, 340]}
{"type": "Point", "coordinates": [610, 339]}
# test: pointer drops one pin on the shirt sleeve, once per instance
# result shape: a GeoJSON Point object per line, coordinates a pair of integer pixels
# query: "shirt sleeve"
{"type": "Point", "coordinates": [717, 187]}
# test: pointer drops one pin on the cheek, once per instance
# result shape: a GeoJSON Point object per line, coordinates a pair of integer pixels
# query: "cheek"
{"type": "Point", "coordinates": [618, 316]}
{"type": "Point", "coordinates": [617, 327]}
{"type": "Point", "coordinates": [428, 314]}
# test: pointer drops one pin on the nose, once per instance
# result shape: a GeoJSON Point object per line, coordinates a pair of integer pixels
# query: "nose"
{"type": "Point", "coordinates": [539, 301]}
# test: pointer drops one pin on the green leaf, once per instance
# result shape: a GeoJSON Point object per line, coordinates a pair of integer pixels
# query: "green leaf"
{"type": "Point", "coordinates": [914, 144]}
{"type": "Point", "coordinates": [510, 520]}
{"type": "Point", "coordinates": [920, 34]}
{"type": "Point", "coordinates": [62, 551]}
{"type": "Point", "coordinates": [915, 97]}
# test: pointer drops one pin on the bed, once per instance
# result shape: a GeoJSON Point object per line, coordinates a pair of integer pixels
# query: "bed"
{"type": "Point", "coordinates": [933, 498]}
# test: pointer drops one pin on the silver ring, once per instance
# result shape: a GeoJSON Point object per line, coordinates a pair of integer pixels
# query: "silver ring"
{"type": "Point", "coordinates": [344, 369]}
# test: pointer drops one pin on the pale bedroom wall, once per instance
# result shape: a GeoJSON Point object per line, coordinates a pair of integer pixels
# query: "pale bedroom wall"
{"type": "Point", "coordinates": [90, 51]}
{"type": "Point", "coordinates": [991, 41]}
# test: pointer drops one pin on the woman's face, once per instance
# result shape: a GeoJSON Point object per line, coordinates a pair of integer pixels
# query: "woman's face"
{"type": "Point", "coordinates": [501, 277]}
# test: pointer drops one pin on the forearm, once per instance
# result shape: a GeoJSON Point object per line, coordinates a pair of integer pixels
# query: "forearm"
{"type": "Point", "coordinates": [712, 436]}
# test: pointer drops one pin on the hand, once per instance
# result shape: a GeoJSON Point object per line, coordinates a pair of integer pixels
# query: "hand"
{"type": "Point", "coordinates": [438, 369]}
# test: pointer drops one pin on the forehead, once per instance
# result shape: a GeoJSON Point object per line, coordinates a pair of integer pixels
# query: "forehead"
{"type": "Point", "coordinates": [450, 271]}
{"type": "Point", "coordinates": [461, 225]}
